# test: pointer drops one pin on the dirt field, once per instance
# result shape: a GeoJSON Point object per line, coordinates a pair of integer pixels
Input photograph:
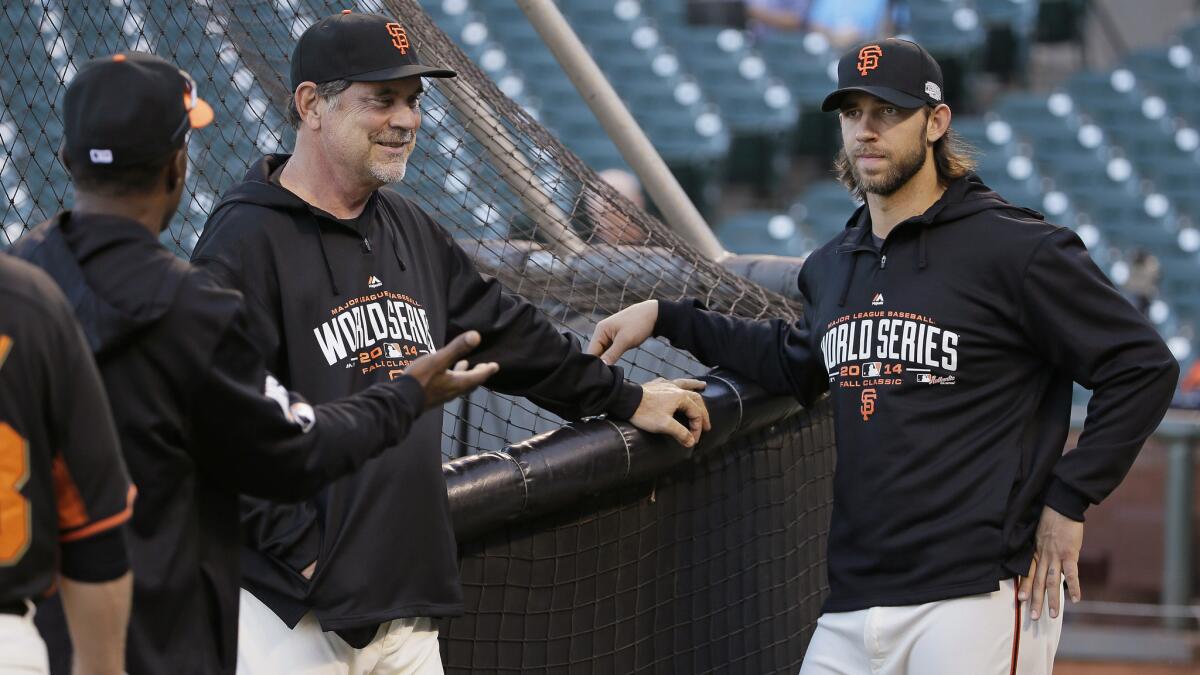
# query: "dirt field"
{"type": "Point", "coordinates": [1093, 668]}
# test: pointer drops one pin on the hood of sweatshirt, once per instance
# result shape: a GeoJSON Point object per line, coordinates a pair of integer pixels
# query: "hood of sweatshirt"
{"type": "Point", "coordinates": [257, 188]}
{"type": "Point", "coordinates": [115, 273]}
{"type": "Point", "coordinates": [963, 198]}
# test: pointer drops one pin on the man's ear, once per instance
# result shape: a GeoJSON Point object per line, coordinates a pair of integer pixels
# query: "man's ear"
{"type": "Point", "coordinates": [177, 168]}
{"type": "Point", "coordinates": [62, 157]}
{"type": "Point", "coordinates": [306, 99]}
{"type": "Point", "coordinates": [938, 122]}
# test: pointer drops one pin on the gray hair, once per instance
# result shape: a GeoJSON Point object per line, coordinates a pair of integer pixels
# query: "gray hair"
{"type": "Point", "coordinates": [326, 91]}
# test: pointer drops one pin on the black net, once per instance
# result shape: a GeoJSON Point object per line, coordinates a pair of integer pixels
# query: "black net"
{"type": "Point", "coordinates": [715, 567]}
{"type": "Point", "coordinates": [534, 215]}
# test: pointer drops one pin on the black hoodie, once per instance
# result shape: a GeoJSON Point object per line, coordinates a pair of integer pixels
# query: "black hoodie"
{"type": "Point", "coordinates": [949, 355]}
{"type": "Point", "coordinates": [340, 305]}
{"type": "Point", "coordinates": [199, 421]}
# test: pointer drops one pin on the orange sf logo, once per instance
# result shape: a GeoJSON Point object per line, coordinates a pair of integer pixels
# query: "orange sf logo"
{"type": "Point", "coordinates": [399, 37]}
{"type": "Point", "coordinates": [868, 59]}
{"type": "Point", "coordinates": [868, 404]}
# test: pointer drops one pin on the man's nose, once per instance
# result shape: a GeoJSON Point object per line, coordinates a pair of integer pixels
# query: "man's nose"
{"type": "Point", "coordinates": [405, 118]}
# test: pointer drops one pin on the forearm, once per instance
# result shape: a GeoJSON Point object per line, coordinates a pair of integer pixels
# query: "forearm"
{"type": "Point", "coordinates": [1125, 409]}
{"type": "Point", "coordinates": [293, 462]}
{"type": "Point", "coordinates": [97, 617]}
{"type": "Point", "coordinates": [770, 352]}
{"type": "Point", "coordinates": [774, 18]}
{"type": "Point", "coordinates": [548, 367]}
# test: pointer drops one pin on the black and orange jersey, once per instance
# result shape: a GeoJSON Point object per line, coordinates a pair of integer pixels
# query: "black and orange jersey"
{"type": "Point", "coordinates": [63, 483]}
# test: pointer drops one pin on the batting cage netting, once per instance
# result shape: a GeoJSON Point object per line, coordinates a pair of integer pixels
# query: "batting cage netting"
{"type": "Point", "coordinates": [710, 562]}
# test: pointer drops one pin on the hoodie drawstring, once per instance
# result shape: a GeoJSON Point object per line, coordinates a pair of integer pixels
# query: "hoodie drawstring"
{"type": "Point", "coordinates": [325, 257]}
{"type": "Point", "coordinates": [395, 239]}
{"type": "Point", "coordinates": [396, 252]}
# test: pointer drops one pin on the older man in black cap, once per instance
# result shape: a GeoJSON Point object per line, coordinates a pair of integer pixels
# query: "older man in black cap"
{"type": "Point", "coordinates": [947, 326]}
{"type": "Point", "coordinates": [349, 282]}
{"type": "Point", "coordinates": [200, 420]}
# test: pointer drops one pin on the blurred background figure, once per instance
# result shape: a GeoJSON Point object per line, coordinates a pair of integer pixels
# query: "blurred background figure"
{"type": "Point", "coordinates": [612, 226]}
{"type": "Point", "coordinates": [1189, 388]}
{"type": "Point", "coordinates": [1144, 274]}
{"type": "Point", "coordinates": [843, 23]}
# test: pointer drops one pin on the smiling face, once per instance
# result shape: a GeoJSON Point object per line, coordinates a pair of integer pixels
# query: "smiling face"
{"type": "Point", "coordinates": [371, 129]}
{"type": "Point", "coordinates": [885, 145]}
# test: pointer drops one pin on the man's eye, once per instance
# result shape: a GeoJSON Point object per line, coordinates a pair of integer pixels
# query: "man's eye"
{"type": "Point", "coordinates": [890, 111]}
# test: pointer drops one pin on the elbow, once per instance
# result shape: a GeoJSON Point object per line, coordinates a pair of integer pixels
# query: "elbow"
{"type": "Point", "coordinates": [1164, 373]}
{"type": "Point", "coordinates": [1167, 368]}
{"type": "Point", "coordinates": [1171, 375]}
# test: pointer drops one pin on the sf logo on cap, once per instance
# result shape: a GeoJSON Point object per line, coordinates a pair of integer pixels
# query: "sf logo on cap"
{"type": "Point", "coordinates": [868, 59]}
{"type": "Point", "coordinates": [399, 37]}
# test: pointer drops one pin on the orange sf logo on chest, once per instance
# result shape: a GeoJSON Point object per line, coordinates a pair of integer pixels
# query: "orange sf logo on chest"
{"type": "Point", "coordinates": [868, 59]}
{"type": "Point", "coordinates": [868, 404]}
{"type": "Point", "coordinates": [399, 37]}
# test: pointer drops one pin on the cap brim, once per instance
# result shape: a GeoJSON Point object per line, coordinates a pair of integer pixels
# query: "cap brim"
{"type": "Point", "coordinates": [895, 97]}
{"type": "Point", "coordinates": [201, 114]}
{"type": "Point", "coordinates": [400, 72]}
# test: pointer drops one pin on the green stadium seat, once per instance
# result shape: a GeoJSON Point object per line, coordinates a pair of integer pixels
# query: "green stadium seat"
{"type": "Point", "coordinates": [752, 232]}
{"type": "Point", "coordinates": [823, 209]}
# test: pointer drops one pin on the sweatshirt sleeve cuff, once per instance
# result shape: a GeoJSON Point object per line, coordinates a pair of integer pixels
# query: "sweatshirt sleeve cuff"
{"type": "Point", "coordinates": [411, 392]}
{"type": "Point", "coordinates": [673, 316]}
{"type": "Point", "coordinates": [96, 559]}
{"type": "Point", "coordinates": [627, 401]}
{"type": "Point", "coordinates": [1066, 500]}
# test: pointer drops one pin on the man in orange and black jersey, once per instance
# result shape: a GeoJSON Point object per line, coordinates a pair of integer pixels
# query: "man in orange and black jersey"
{"type": "Point", "coordinates": [64, 492]}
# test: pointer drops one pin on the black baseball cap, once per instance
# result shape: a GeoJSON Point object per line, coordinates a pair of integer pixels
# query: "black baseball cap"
{"type": "Point", "coordinates": [359, 48]}
{"type": "Point", "coordinates": [129, 108]}
{"type": "Point", "coordinates": [896, 70]}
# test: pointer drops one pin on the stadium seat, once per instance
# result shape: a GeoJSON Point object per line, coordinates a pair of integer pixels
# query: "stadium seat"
{"type": "Point", "coordinates": [760, 232]}
{"type": "Point", "coordinates": [823, 209]}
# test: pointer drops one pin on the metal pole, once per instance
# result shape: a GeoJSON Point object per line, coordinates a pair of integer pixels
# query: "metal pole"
{"type": "Point", "coordinates": [670, 198]}
{"type": "Point", "coordinates": [1177, 530]}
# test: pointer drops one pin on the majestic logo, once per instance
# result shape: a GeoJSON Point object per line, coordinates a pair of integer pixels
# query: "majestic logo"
{"type": "Point", "coordinates": [868, 404]}
{"type": "Point", "coordinates": [877, 301]}
{"type": "Point", "coordinates": [399, 37]}
{"type": "Point", "coordinates": [868, 59]}
{"type": "Point", "coordinates": [930, 378]}
{"type": "Point", "coordinates": [373, 282]}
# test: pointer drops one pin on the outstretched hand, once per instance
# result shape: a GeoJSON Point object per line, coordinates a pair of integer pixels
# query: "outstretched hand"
{"type": "Point", "coordinates": [444, 374]}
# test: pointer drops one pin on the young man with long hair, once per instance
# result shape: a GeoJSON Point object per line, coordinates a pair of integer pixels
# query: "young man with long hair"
{"type": "Point", "coordinates": [947, 326]}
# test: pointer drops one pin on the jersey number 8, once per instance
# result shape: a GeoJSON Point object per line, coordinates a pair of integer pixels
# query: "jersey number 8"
{"type": "Point", "coordinates": [14, 507]}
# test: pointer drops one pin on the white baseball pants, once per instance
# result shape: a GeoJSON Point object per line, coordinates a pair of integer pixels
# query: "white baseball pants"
{"type": "Point", "coordinates": [989, 634]}
{"type": "Point", "coordinates": [266, 646]}
{"type": "Point", "coordinates": [22, 651]}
